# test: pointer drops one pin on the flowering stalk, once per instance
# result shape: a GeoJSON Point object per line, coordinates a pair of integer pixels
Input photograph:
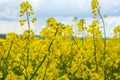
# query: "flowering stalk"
{"type": "Point", "coordinates": [75, 25]}
{"type": "Point", "coordinates": [81, 27]}
{"type": "Point", "coordinates": [41, 62]}
{"type": "Point", "coordinates": [27, 8]}
{"type": "Point", "coordinates": [96, 10]}
{"type": "Point", "coordinates": [28, 22]}
{"type": "Point", "coordinates": [95, 55]}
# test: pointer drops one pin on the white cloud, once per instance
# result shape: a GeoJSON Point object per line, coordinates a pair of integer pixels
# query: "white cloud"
{"type": "Point", "coordinates": [13, 26]}
{"type": "Point", "coordinates": [10, 26]}
{"type": "Point", "coordinates": [10, 9]}
{"type": "Point", "coordinates": [3, 1]}
{"type": "Point", "coordinates": [65, 9]}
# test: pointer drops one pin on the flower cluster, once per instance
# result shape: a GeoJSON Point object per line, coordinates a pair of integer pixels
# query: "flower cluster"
{"type": "Point", "coordinates": [95, 8]}
{"type": "Point", "coordinates": [26, 8]}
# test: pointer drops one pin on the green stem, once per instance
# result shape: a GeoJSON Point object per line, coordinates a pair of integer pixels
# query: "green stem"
{"type": "Point", "coordinates": [104, 40]}
{"type": "Point", "coordinates": [9, 50]}
{"type": "Point", "coordinates": [46, 69]}
{"type": "Point", "coordinates": [38, 67]}
{"type": "Point", "coordinates": [28, 21]}
{"type": "Point", "coordinates": [76, 42]}
{"type": "Point", "coordinates": [95, 55]}
{"type": "Point", "coordinates": [119, 42]}
{"type": "Point", "coordinates": [82, 52]}
{"type": "Point", "coordinates": [82, 36]}
{"type": "Point", "coordinates": [44, 56]}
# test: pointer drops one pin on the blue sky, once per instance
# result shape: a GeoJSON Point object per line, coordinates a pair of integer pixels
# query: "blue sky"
{"type": "Point", "coordinates": [63, 10]}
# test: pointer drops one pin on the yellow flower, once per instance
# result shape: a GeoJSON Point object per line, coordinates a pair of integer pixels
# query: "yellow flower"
{"type": "Point", "coordinates": [34, 20]}
{"type": "Point", "coordinates": [95, 8]}
{"type": "Point", "coordinates": [22, 22]}
{"type": "Point", "coordinates": [105, 16]}
{"type": "Point", "coordinates": [31, 13]}
{"type": "Point", "coordinates": [22, 12]}
{"type": "Point", "coordinates": [1, 74]}
{"type": "Point", "coordinates": [25, 7]}
{"type": "Point", "coordinates": [22, 5]}
{"type": "Point", "coordinates": [81, 24]}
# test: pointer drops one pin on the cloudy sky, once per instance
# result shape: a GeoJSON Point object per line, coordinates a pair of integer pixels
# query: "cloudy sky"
{"type": "Point", "coordinates": [62, 10]}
